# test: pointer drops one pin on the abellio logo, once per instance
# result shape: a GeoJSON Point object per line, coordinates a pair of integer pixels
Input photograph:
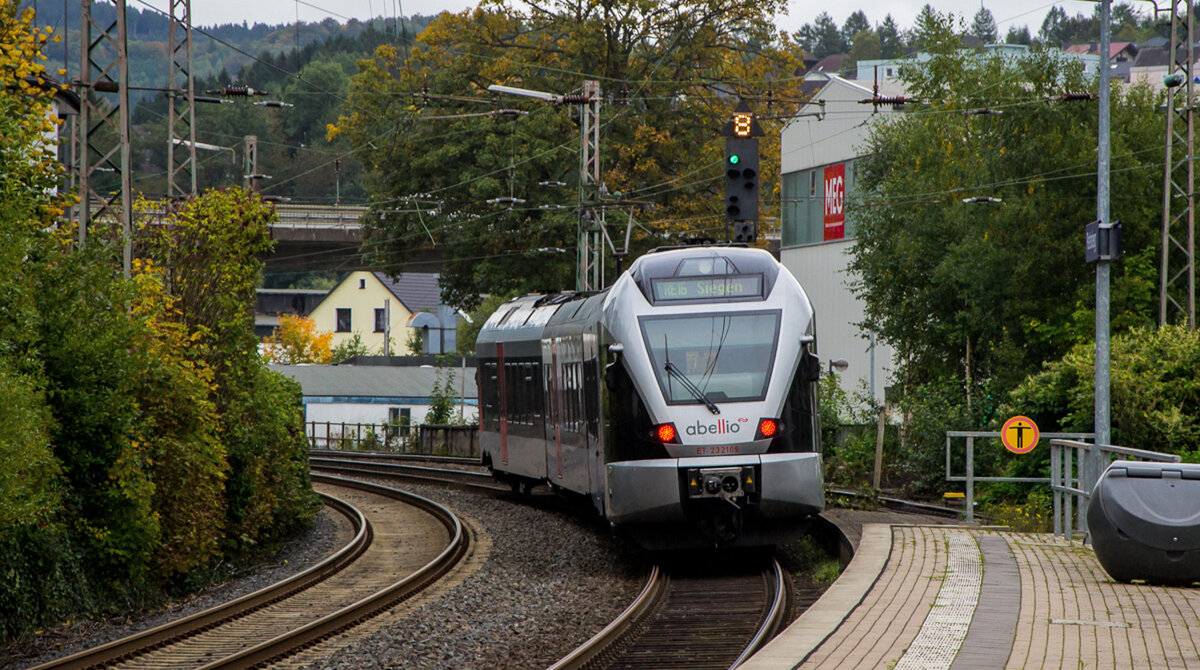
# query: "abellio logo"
{"type": "Point", "coordinates": [719, 428]}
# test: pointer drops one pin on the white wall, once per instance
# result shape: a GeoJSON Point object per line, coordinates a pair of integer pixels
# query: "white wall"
{"type": "Point", "coordinates": [336, 412]}
{"type": "Point", "coordinates": [821, 270]}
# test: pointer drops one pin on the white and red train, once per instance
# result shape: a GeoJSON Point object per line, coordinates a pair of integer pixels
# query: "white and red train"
{"type": "Point", "coordinates": [681, 400]}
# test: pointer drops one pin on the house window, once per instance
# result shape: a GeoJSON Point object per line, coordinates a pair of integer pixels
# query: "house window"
{"type": "Point", "coordinates": [343, 319]}
{"type": "Point", "coordinates": [362, 283]}
{"type": "Point", "coordinates": [399, 421]}
{"type": "Point", "coordinates": [380, 320]}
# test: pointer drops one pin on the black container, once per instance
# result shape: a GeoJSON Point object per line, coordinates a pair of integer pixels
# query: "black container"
{"type": "Point", "coordinates": [1144, 521]}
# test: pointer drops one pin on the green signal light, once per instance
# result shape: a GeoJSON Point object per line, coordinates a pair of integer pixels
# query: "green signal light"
{"type": "Point", "coordinates": [734, 160]}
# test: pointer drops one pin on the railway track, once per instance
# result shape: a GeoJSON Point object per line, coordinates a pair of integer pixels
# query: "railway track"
{"type": "Point", "coordinates": [897, 504]}
{"type": "Point", "coordinates": [389, 456]}
{"type": "Point", "coordinates": [372, 573]}
{"type": "Point", "coordinates": [417, 473]}
{"type": "Point", "coordinates": [686, 618]}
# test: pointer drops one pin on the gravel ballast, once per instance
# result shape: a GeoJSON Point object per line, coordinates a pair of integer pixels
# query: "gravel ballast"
{"type": "Point", "coordinates": [553, 577]}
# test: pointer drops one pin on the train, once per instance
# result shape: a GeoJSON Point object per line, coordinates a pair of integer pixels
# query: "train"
{"type": "Point", "coordinates": [681, 401]}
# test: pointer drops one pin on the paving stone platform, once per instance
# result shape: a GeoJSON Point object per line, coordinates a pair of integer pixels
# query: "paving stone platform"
{"type": "Point", "coordinates": [965, 597]}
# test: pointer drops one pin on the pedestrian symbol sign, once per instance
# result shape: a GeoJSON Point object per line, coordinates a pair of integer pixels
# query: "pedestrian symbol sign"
{"type": "Point", "coordinates": [1019, 435]}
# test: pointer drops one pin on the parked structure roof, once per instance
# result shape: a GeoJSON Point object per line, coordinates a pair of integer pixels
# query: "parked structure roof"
{"type": "Point", "coordinates": [419, 291]}
{"type": "Point", "coordinates": [377, 381]}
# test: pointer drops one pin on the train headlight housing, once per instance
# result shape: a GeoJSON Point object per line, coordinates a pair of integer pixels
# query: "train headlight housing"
{"type": "Point", "coordinates": [666, 433]}
{"type": "Point", "coordinates": [767, 429]}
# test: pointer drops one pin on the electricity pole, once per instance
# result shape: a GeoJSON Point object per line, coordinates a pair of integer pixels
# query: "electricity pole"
{"type": "Point", "coordinates": [104, 124]}
{"type": "Point", "coordinates": [589, 274]}
{"type": "Point", "coordinates": [181, 115]}
{"type": "Point", "coordinates": [1177, 270]}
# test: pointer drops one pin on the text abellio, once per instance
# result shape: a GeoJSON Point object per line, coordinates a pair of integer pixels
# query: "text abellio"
{"type": "Point", "coordinates": [720, 427]}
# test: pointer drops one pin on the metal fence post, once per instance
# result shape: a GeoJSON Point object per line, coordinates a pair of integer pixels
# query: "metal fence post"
{"type": "Point", "coordinates": [1068, 503]}
{"type": "Point", "coordinates": [1055, 482]}
{"type": "Point", "coordinates": [1087, 462]}
{"type": "Point", "coordinates": [970, 501]}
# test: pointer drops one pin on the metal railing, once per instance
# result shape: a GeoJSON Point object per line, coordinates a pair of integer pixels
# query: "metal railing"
{"type": "Point", "coordinates": [970, 477]}
{"type": "Point", "coordinates": [428, 439]}
{"type": "Point", "coordinates": [1071, 492]}
{"type": "Point", "coordinates": [358, 436]}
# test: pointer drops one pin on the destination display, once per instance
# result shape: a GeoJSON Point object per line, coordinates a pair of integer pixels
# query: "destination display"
{"type": "Point", "coordinates": [708, 288]}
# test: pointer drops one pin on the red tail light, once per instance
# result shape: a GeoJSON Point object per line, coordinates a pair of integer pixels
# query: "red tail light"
{"type": "Point", "coordinates": [767, 429]}
{"type": "Point", "coordinates": [666, 433]}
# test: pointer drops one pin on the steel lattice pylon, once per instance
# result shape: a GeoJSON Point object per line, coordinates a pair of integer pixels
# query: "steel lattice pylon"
{"type": "Point", "coordinates": [104, 124]}
{"type": "Point", "coordinates": [589, 274]}
{"type": "Point", "coordinates": [181, 118]}
{"type": "Point", "coordinates": [1177, 272]}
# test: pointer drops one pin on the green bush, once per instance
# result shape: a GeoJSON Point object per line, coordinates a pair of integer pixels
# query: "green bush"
{"type": "Point", "coordinates": [83, 344]}
{"type": "Point", "coordinates": [268, 492]}
{"type": "Point", "coordinates": [1155, 391]}
{"type": "Point", "coordinates": [1034, 515]}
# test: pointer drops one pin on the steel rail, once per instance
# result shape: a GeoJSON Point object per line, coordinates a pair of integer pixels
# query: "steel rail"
{"type": "Point", "coordinates": [159, 636]}
{"type": "Point", "coordinates": [351, 615]}
{"type": "Point", "coordinates": [774, 619]}
{"type": "Point", "coordinates": [900, 504]}
{"type": "Point", "coordinates": [652, 593]}
{"type": "Point", "coordinates": [389, 456]}
{"type": "Point", "coordinates": [469, 478]}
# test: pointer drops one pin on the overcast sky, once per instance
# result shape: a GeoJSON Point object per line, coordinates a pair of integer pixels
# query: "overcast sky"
{"type": "Point", "coordinates": [1007, 13]}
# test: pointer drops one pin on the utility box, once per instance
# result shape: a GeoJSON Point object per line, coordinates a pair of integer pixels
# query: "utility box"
{"type": "Point", "coordinates": [1102, 241]}
{"type": "Point", "coordinates": [1144, 521]}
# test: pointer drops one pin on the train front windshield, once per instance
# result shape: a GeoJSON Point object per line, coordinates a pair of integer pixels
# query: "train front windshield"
{"type": "Point", "coordinates": [727, 357]}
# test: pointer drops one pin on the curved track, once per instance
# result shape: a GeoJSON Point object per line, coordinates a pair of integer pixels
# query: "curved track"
{"type": "Point", "coordinates": [379, 568]}
{"type": "Point", "coordinates": [685, 619]}
{"type": "Point", "coordinates": [390, 456]}
{"type": "Point", "coordinates": [469, 478]}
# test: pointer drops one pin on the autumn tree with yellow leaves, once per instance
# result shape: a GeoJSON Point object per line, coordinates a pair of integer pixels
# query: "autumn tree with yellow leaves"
{"type": "Point", "coordinates": [296, 341]}
{"type": "Point", "coordinates": [671, 75]}
{"type": "Point", "coordinates": [144, 442]}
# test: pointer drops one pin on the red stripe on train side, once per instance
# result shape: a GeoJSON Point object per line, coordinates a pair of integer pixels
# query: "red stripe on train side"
{"type": "Point", "coordinates": [503, 403]}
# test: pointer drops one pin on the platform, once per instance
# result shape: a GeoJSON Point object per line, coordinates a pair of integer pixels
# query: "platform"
{"type": "Point", "coordinates": [959, 597]}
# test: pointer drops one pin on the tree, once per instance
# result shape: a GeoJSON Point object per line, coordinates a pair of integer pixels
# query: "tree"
{"type": "Point", "coordinates": [866, 46]}
{"type": "Point", "coordinates": [670, 79]}
{"type": "Point", "coordinates": [297, 341]}
{"type": "Point", "coordinates": [823, 37]}
{"type": "Point", "coordinates": [1053, 27]}
{"type": "Point", "coordinates": [929, 27]}
{"type": "Point", "coordinates": [350, 348]}
{"type": "Point", "coordinates": [855, 23]}
{"type": "Point", "coordinates": [890, 43]}
{"type": "Point", "coordinates": [944, 280]}
{"type": "Point", "coordinates": [1018, 36]}
{"type": "Point", "coordinates": [210, 250]}
{"type": "Point", "coordinates": [984, 26]}
{"type": "Point", "coordinates": [442, 395]}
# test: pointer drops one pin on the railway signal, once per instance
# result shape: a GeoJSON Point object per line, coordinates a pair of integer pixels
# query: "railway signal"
{"type": "Point", "coordinates": [741, 173]}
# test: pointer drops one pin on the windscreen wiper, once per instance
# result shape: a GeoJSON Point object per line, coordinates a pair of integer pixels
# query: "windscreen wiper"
{"type": "Point", "coordinates": [691, 387]}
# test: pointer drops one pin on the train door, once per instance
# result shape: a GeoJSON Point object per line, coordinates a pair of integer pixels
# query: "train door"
{"type": "Point", "coordinates": [592, 380]}
{"type": "Point", "coordinates": [554, 460]}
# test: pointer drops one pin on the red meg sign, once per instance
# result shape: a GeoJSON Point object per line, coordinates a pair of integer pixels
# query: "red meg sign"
{"type": "Point", "coordinates": [835, 202]}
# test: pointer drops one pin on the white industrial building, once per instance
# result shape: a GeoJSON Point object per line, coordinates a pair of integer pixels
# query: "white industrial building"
{"type": "Point", "coordinates": [380, 394]}
{"type": "Point", "coordinates": [818, 150]}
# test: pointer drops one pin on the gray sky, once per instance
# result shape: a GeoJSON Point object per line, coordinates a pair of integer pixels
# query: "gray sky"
{"type": "Point", "coordinates": [1009, 12]}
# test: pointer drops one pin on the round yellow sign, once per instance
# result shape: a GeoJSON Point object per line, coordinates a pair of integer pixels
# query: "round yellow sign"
{"type": "Point", "coordinates": [1019, 435]}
